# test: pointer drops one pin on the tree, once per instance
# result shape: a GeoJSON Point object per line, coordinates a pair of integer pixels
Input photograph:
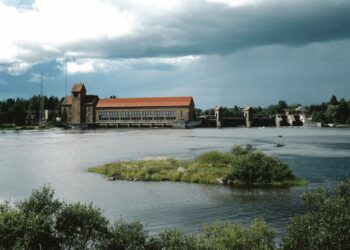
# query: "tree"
{"type": "Point", "coordinates": [333, 100]}
{"type": "Point", "coordinates": [19, 110]}
{"type": "Point", "coordinates": [30, 225]}
{"type": "Point", "coordinates": [223, 235]}
{"type": "Point", "coordinates": [333, 113]}
{"type": "Point", "coordinates": [176, 240]}
{"type": "Point", "coordinates": [80, 226]}
{"type": "Point", "coordinates": [44, 222]}
{"type": "Point", "coordinates": [124, 235]}
{"type": "Point", "coordinates": [281, 106]}
{"type": "Point", "coordinates": [326, 224]}
{"type": "Point", "coordinates": [344, 111]}
{"type": "Point", "coordinates": [253, 167]}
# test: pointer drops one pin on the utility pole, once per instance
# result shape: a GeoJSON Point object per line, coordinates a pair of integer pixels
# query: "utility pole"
{"type": "Point", "coordinates": [65, 77]}
{"type": "Point", "coordinates": [41, 97]}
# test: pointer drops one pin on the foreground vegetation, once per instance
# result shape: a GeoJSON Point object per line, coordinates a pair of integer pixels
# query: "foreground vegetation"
{"type": "Point", "coordinates": [44, 222]}
{"type": "Point", "coordinates": [240, 167]}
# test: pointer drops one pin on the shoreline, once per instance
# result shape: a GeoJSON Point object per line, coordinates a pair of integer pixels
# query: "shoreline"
{"type": "Point", "coordinates": [18, 128]}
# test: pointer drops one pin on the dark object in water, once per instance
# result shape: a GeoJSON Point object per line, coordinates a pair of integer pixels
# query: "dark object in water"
{"type": "Point", "coordinates": [279, 145]}
{"type": "Point", "coordinates": [279, 136]}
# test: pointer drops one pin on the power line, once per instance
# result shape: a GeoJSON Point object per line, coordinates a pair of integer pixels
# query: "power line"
{"type": "Point", "coordinates": [65, 77]}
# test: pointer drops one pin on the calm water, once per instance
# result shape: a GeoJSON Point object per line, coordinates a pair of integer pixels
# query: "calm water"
{"type": "Point", "coordinates": [29, 159]}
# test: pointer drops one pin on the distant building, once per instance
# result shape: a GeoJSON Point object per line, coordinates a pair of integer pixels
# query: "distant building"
{"type": "Point", "coordinates": [248, 115]}
{"type": "Point", "coordinates": [82, 109]}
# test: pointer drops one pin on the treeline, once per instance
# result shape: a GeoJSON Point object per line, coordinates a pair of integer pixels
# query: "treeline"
{"type": "Point", "coordinates": [333, 111]}
{"type": "Point", "coordinates": [44, 222]}
{"type": "Point", "coordinates": [26, 111]}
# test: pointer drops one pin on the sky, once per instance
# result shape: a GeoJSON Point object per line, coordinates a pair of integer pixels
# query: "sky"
{"type": "Point", "coordinates": [221, 52]}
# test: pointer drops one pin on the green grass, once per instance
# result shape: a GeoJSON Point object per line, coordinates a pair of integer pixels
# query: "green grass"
{"type": "Point", "coordinates": [212, 167]}
{"type": "Point", "coordinates": [162, 170]}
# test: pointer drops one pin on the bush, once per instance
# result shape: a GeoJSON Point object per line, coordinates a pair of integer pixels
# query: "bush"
{"type": "Point", "coordinates": [232, 236]}
{"type": "Point", "coordinates": [31, 223]}
{"type": "Point", "coordinates": [326, 225]}
{"type": "Point", "coordinates": [253, 167]}
{"type": "Point", "coordinates": [126, 236]}
{"type": "Point", "coordinates": [177, 240]}
{"type": "Point", "coordinates": [80, 226]}
{"type": "Point", "coordinates": [214, 158]}
{"type": "Point", "coordinates": [239, 151]}
{"type": "Point", "coordinates": [43, 222]}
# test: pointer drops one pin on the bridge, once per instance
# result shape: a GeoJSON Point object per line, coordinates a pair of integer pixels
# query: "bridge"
{"type": "Point", "coordinates": [248, 119]}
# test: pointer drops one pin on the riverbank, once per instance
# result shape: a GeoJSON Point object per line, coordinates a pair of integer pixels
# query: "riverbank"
{"type": "Point", "coordinates": [15, 127]}
{"type": "Point", "coordinates": [11, 126]}
{"type": "Point", "coordinates": [242, 167]}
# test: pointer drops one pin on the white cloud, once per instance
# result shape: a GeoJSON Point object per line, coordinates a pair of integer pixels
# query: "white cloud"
{"type": "Point", "coordinates": [18, 68]}
{"type": "Point", "coordinates": [86, 66]}
{"type": "Point", "coordinates": [93, 65]}
{"type": "Point", "coordinates": [145, 8]}
{"type": "Point", "coordinates": [36, 77]}
{"type": "Point", "coordinates": [49, 25]}
{"type": "Point", "coordinates": [236, 3]}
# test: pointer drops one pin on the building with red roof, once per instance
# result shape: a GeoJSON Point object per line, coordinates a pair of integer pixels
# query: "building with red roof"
{"type": "Point", "coordinates": [82, 109]}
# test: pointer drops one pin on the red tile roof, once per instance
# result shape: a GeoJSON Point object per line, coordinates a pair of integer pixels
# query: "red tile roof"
{"type": "Point", "coordinates": [145, 102]}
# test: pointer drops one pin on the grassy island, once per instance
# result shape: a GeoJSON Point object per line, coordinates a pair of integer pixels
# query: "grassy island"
{"type": "Point", "coordinates": [242, 166]}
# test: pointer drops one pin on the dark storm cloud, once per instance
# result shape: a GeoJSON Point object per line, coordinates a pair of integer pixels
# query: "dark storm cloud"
{"type": "Point", "coordinates": [253, 55]}
{"type": "Point", "coordinates": [211, 28]}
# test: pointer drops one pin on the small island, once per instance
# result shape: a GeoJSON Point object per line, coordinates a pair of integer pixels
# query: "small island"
{"type": "Point", "coordinates": [241, 167]}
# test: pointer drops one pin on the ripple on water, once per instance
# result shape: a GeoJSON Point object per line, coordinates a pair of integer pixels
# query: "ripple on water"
{"type": "Point", "coordinates": [29, 159]}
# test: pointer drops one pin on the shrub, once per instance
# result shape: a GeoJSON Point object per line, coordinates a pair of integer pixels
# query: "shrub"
{"type": "Point", "coordinates": [177, 240]}
{"type": "Point", "coordinates": [326, 224]}
{"type": "Point", "coordinates": [80, 226]}
{"type": "Point", "coordinates": [214, 158]}
{"type": "Point", "coordinates": [126, 236]}
{"type": "Point", "coordinates": [238, 150]}
{"type": "Point", "coordinates": [224, 235]}
{"type": "Point", "coordinates": [31, 223]}
{"type": "Point", "coordinates": [257, 168]}
{"type": "Point", "coordinates": [43, 222]}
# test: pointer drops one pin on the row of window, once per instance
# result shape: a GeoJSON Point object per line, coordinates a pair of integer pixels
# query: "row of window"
{"type": "Point", "coordinates": [136, 118]}
{"type": "Point", "coordinates": [135, 114]}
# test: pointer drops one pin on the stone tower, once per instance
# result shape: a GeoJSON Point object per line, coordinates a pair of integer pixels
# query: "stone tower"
{"type": "Point", "coordinates": [78, 96]}
{"type": "Point", "coordinates": [248, 115]}
{"type": "Point", "coordinates": [219, 117]}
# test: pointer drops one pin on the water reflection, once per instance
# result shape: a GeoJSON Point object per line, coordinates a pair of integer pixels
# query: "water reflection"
{"type": "Point", "coordinates": [29, 159]}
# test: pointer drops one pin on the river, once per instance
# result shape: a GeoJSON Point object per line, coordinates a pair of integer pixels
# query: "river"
{"type": "Point", "coordinates": [30, 159]}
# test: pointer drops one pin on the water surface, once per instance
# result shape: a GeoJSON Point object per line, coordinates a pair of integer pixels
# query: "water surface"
{"type": "Point", "coordinates": [30, 159]}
